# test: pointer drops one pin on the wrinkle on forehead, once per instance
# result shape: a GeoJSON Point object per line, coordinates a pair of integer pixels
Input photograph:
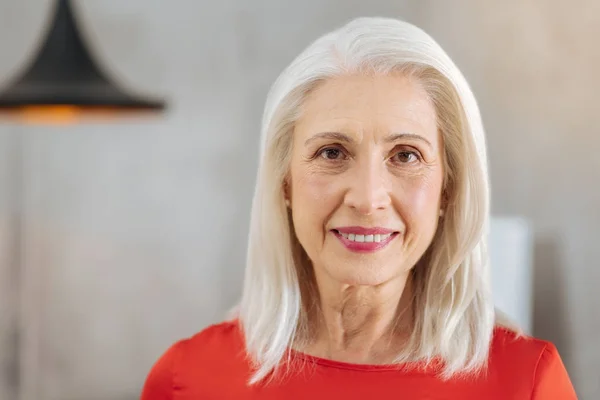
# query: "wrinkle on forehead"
{"type": "Point", "coordinates": [369, 106]}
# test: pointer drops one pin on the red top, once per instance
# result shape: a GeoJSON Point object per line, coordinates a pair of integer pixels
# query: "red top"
{"type": "Point", "coordinates": [212, 365]}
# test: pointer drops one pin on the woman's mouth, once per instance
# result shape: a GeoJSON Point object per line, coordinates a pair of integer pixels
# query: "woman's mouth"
{"type": "Point", "coordinates": [365, 238]}
{"type": "Point", "coordinates": [364, 242]}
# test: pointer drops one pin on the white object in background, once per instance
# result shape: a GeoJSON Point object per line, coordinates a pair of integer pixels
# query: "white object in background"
{"type": "Point", "coordinates": [511, 255]}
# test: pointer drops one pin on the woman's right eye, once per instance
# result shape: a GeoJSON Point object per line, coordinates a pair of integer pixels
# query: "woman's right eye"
{"type": "Point", "coordinates": [331, 153]}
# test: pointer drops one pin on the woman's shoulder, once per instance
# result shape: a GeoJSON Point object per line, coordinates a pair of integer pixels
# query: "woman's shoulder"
{"type": "Point", "coordinates": [216, 348]}
{"type": "Point", "coordinates": [210, 343]}
{"type": "Point", "coordinates": [510, 343]}
{"type": "Point", "coordinates": [214, 339]}
{"type": "Point", "coordinates": [510, 347]}
{"type": "Point", "coordinates": [514, 355]}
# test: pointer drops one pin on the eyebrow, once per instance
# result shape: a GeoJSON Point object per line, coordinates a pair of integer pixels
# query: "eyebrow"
{"type": "Point", "coordinates": [342, 137]}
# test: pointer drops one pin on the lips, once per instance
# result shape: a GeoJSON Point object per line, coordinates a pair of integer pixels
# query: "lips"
{"type": "Point", "coordinates": [364, 240]}
{"type": "Point", "coordinates": [369, 238]}
{"type": "Point", "coordinates": [359, 230]}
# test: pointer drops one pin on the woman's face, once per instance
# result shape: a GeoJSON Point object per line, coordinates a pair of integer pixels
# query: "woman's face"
{"type": "Point", "coordinates": [366, 177]}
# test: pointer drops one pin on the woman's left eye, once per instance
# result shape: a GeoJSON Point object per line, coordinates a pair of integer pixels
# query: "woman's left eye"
{"type": "Point", "coordinates": [406, 157]}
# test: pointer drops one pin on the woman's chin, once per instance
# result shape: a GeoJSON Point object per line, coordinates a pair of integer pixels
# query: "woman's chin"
{"type": "Point", "coordinates": [363, 278]}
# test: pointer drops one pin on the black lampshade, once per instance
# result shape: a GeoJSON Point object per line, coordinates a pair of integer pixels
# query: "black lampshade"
{"type": "Point", "coordinates": [64, 73]}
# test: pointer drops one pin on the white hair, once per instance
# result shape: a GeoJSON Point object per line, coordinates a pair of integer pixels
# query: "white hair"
{"type": "Point", "coordinates": [454, 312]}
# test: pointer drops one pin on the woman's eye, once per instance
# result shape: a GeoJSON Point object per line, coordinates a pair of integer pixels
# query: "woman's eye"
{"type": "Point", "coordinates": [406, 157]}
{"type": "Point", "coordinates": [331, 153]}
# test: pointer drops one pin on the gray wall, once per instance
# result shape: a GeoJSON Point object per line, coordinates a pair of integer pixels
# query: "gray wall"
{"type": "Point", "coordinates": [138, 230]}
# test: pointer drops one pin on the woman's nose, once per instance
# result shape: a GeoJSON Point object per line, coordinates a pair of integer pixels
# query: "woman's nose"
{"type": "Point", "coordinates": [367, 189]}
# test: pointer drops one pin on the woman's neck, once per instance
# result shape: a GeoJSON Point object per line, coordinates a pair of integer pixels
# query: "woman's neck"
{"type": "Point", "coordinates": [362, 324]}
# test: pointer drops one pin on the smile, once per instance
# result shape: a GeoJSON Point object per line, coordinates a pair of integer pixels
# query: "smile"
{"type": "Point", "coordinates": [364, 240]}
{"type": "Point", "coordinates": [377, 238]}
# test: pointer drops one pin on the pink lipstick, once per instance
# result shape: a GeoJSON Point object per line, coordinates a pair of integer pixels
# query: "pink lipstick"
{"type": "Point", "coordinates": [364, 240]}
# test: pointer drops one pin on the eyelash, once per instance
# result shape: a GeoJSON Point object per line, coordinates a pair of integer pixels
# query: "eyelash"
{"type": "Point", "coordinates": [414, 153]}
{"type": "Point", "coordinates": [322, 151]}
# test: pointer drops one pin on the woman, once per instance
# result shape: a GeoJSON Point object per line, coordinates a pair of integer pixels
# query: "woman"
{"type": "Point", "coordinates": [367, 272]}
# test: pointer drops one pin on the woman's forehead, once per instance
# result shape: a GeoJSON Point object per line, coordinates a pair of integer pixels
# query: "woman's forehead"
{"type": "Point", "coordinates": [380, 105]}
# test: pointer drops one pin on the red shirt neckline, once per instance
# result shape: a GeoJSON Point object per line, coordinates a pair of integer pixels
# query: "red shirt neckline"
{"type": "Point", "coordinates": [325, 362]}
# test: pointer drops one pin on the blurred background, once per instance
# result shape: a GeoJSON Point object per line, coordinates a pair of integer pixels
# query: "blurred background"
{"type": "Point", "coordinates": [118, 238]}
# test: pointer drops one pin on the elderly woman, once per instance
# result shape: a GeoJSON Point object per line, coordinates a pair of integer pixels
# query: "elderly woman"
{"type": "Point", "coordinates": [367, 271]}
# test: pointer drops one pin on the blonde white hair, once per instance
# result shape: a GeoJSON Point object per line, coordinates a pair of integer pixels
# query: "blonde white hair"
{"type": "Point", "coordinates": [454, 312]}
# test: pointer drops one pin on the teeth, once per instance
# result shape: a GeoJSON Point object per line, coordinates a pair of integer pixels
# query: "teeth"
{"type": "Point", "coordinates": [366, 238]}
{"type": "Point", "coordinates": [384, 237]}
